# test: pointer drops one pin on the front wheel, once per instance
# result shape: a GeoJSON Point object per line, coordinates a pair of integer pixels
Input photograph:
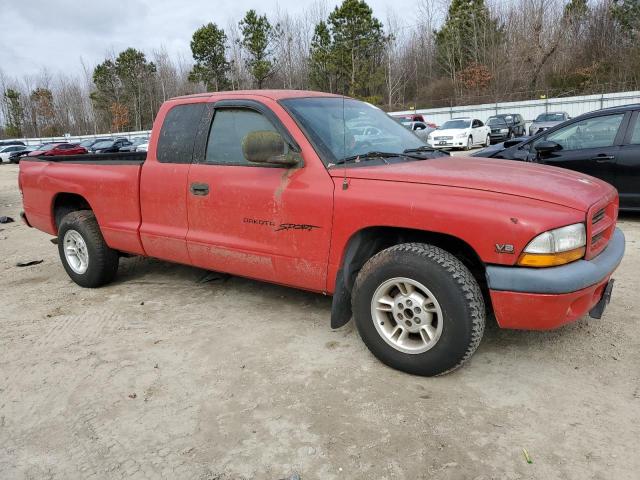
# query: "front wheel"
{"type": "Point", "coordinates": [469, 144]}
{"type": "Point", "coordinates": [418, 309]}
{"type": "Point", "coordinates": [487, 141]}
{"type": "Point", "coordinates": [85, 256]}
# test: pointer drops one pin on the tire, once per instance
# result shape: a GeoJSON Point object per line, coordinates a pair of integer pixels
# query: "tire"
{"type": "Point", "coordinates": [469, 144]}
{"type": "Point", "coordinates": [79, 232]}
{"type": "Point", "coordinates": [458, 318]}
{"type": "Point", "coordinates": [487, 142]}
{"type": "Point", "coordinates": [512, 135]}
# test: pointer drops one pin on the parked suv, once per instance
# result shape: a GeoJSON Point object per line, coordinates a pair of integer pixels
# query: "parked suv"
{"type": "Point", "coordinates": [506, 126]}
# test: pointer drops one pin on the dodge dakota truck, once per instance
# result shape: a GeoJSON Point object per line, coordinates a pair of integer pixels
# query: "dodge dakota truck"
{"type": "Point", "coordinates": [418, 247]}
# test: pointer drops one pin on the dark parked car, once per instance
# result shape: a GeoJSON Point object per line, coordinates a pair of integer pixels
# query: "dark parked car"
{"type": "Point", "coordinates": [506, 126]}
{"type": "Point", "coordinates": [4, 143]}
{"type": "Point", "coordinates": [16, 156]}
{"type": "Point", "coordinates": [110, 146]}
{"type": "Point", "coordinates": [135, 142]}
{"type": "Point", "coordinates": [604, 144]}
{"type": "Point", "coordinates": [92, 141]}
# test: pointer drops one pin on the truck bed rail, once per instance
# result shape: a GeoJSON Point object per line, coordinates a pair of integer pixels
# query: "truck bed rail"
{"type": "Point", "coordinates": [118, 158]}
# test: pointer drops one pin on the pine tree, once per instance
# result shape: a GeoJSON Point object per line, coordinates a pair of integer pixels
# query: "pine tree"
{"type": "Point", "coordinates": [258, 38]}
{"type": "Point", "coordinates": [208, 46]}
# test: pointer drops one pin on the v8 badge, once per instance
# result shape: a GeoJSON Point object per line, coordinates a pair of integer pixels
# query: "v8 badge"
{"type": "Point", "coordinates": [504, 248]}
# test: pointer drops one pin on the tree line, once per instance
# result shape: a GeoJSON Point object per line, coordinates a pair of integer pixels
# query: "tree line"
{"type": "Point", "coordinates": [450, 53]}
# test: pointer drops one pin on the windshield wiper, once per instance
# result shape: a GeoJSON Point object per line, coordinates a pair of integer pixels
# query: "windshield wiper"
{"type": "Point", "coordinates": [373, 155]}
{"type": "Point", "coordinates": [423, 148]}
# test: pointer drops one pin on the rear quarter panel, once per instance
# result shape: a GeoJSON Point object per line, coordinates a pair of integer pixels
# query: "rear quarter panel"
{"type": "Point", "coordinates": [112, 191]}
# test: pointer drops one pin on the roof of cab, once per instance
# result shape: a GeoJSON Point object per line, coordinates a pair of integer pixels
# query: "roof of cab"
{"type": "Point", "coordinates": [272, 94]}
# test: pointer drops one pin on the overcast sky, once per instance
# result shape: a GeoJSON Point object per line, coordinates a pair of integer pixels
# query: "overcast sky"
{"type": "Point", "coordinates": [57, 34]}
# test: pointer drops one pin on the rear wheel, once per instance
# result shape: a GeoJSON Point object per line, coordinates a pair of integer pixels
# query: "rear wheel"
{"type": "Point", "coordinates": [86, 257]}
{"type": "Point", "coordinates": [418, 309]}
{"type": "Point", "coordinates": [487, 141]}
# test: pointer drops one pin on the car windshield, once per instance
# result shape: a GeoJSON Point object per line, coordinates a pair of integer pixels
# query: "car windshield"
{"type": "Point", "coordinates": [496, 122]}
{"type": "Point", "coordinates": [550, 117]}
{"type": "Point", "coordinates": [139, 141]}
{"type": "Point", "coordinates": [103, 144]}
{"type": "Point", "coordinates": [86, 143]}
{"type": "Point", "coordinates": [333, 124]}
{"type": "Point", "coordinates": [48, 146]}
{"type": "Point", "coordinates": [452, 124]}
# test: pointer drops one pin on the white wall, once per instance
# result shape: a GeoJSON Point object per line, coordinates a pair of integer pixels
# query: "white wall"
{"type": "Point", "coordinates": [530, 109]}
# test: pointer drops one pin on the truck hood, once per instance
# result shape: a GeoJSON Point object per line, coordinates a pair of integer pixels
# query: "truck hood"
{"type": "Point", "coordinates": [522, 179]}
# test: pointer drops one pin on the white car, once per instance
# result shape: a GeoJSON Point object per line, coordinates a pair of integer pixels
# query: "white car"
{"type": "Point", "coordinates": [143, 147]}
{"type": "Point", "coordinates": [462, 133]}
{"type": "Point", "coordinates": [8, 150]}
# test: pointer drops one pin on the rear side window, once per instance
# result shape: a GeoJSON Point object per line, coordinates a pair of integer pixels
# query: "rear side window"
{"type": "Point", "coordinates": [178, 133]}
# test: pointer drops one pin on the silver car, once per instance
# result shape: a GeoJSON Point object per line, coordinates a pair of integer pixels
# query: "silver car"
{"type": "Point", "coordinates": [545, 121]}
{"type": "Point", "coordinates": [420, 129]}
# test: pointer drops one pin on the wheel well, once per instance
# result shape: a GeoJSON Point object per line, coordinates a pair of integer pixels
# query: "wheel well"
{"type": "Point", "coordinates": [370, 241]}
{"type": "Point", "coordinates": [65, 203]}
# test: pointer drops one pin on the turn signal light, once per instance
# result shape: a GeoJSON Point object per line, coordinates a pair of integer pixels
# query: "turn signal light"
{"type": "Point", "coordinates": [550, 259]}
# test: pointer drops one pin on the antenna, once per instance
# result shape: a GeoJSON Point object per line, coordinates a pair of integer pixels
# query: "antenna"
{"type": "Point", "coordinates": [345, 185]}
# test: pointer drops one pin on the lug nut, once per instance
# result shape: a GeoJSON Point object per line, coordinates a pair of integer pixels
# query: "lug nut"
{"type": "Point", "coordinates": [417, 310]}
{"type": "Point", "coordinates": [409, 303]}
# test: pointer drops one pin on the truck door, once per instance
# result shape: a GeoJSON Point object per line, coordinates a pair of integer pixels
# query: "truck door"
{"type": "Point", "coordinates": [163, 183]}
{"type": "Point", "coordinates": [261, 221]}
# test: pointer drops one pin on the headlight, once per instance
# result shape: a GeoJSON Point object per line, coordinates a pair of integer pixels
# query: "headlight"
{"type": "Point", "coordinates": [504, 130]}
{"type": "Point", "coordinates": [555, 247]}
{"type": "Point", "coordinates": [462, 135]}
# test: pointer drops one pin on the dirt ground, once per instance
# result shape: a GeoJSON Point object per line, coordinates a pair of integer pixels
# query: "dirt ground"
{"type": "Point", "coordinates": [161, 375]}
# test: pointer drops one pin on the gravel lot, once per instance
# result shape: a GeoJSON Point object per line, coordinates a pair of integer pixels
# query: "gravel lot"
{"type": "Point", "coordinates": [163, 376]}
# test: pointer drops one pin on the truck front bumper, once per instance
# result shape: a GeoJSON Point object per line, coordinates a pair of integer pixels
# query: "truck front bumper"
{"type": "Point", "coordinates": [546, 298]}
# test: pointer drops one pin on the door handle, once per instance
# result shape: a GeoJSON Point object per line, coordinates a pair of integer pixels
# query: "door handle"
{"type": "Point", "coordinates": [604, 158]}
{"type": "Point", "coordinates": [201, 189]}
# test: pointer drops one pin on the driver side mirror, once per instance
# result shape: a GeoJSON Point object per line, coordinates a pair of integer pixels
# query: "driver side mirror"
{"type": "Point", "coordinates": [547, 147]}
{"type": "Point", "coordinates": [264, 146]}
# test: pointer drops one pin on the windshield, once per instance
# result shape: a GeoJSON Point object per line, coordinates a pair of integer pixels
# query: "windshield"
{"type": "Point", "coordinates": [550, 117]}
{"type": "Point", "coordinates": [322, 119]}
{"type": "Point", "coordinates": [496, 122]}
{"type": "Point", "coordinates": [452, 124]}
{"type": "Point", "coordinates": [103, 144]}
{"type": "Point", "coordinates": [86, 143]}
{"type": "Point", "coordinates": [47, 147]}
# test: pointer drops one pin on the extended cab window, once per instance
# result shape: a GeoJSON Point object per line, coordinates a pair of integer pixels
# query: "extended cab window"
{"type": "Point", "coordinates": [229, 128]}
{"type": "Point", "coordinates": [178, 133]}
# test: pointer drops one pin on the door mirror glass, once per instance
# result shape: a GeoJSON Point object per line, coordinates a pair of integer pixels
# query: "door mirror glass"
{"type": "Point", "coordinates": [265, 146]}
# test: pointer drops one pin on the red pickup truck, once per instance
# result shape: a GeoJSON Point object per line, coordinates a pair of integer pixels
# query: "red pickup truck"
{"type": "Point", "coordinates": [418, 246]}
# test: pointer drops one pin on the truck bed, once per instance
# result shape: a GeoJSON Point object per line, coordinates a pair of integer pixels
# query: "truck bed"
{"type": "Point", "coordinates": [110, 184]}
